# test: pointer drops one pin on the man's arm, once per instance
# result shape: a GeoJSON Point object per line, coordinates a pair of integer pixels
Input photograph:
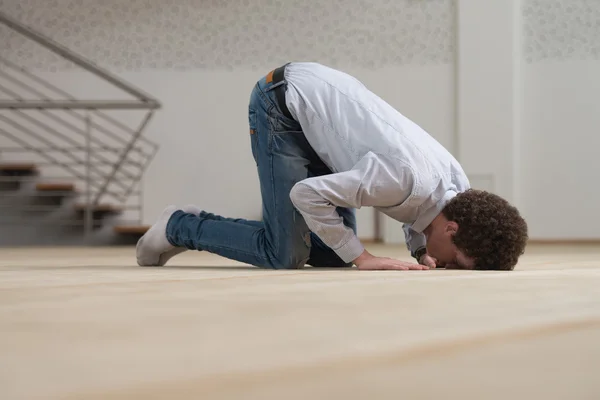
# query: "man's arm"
{"type": "Point", "coordinates": [374, 181]}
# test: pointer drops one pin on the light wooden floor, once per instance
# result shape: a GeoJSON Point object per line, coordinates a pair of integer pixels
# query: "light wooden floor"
{"type": "Point", "coordinates": [90, 324]}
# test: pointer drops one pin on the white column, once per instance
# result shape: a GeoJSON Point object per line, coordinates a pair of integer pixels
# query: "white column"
{"type": "Point", "coordinates": [488, 92]}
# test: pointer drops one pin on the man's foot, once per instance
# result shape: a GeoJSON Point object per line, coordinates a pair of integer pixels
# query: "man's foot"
{"type": "Point", "coordinates": [166, 256]}
{"type": "Point", "coordinates": [153, 249]}
{"type": "Point", "coordinates": [154, 242]}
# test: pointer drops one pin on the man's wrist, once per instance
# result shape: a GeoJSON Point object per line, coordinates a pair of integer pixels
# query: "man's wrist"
{"type": "Point", "coordinates": [419, 253]}
{"type": "Point", "coordinates": [364, 256]}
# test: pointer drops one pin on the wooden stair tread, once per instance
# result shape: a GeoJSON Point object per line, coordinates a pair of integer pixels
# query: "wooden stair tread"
{"type": "Point", "coordinates": [55, 187]}
{"type": "Point", "coordinates": [99, 208]}
{"type": "Point", "coordinates": [18, 167]}
{"type": "Point", "coordinates": [131, 229]}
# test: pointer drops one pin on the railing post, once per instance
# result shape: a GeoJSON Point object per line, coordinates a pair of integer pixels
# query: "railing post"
{"type": "Point", "coordinates": [88, 191]}
{"type": "Point", "coordinates": [141, 200]}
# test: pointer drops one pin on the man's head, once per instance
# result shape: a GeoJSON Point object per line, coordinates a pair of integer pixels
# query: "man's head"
{"type": "Point", "coordinates": [477, 230]}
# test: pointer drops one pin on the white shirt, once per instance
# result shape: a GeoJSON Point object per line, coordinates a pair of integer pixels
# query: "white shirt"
{"type": "Point", "coordinates": [379, 158]}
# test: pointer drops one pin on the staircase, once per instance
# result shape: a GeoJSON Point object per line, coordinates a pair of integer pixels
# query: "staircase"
{"type": "Point", "coordinates": [71, 169]}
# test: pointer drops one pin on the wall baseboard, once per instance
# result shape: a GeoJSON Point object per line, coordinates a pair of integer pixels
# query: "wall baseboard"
{"type": "Point", "coordinates": [565, 241]}
{"type": "Point", "coordinates": [531, 241]}
{"type": "Point", "coordinates": [370, 241]}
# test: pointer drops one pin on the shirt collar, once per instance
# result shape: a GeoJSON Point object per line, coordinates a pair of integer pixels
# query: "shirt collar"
{"type": "Point", "coordinates": [425, 219]}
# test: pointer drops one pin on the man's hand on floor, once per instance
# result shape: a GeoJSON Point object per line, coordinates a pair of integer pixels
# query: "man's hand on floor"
{"type": "Point", "coordinates": [428, 261]}
{"type": "Point", "coordinates": [369, 262]}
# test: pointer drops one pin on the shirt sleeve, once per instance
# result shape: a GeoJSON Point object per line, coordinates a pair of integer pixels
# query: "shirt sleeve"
{"type": "Point", "coordinates": [414, 240]}
{"type": "Point", "coordinates": [375, 181]}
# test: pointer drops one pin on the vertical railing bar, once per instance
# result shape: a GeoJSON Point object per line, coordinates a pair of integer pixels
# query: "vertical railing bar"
{"type": "Point", "coordinates": [141, 201]}
{"type": "Point", "coordinates": [88, 197]}
{"type": "Point", "coordinates": [142, 171]}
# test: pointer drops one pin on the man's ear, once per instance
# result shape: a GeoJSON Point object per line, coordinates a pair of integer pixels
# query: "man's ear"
{"type": "Point", "coordinates": [451, 227]}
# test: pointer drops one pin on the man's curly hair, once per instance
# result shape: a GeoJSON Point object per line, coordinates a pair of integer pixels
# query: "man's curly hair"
{"type": "Point", "coordinates": [490, 230]}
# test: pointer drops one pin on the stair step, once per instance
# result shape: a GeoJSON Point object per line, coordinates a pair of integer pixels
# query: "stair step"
{"type": "Point", "coordinates": [55, 187]}
{"type": "Point", "coordinates": [18, 168]}
{"type": "Point", "coordinates": [131, 229]}
{"type": "Point", "coordinates": [99, 208]}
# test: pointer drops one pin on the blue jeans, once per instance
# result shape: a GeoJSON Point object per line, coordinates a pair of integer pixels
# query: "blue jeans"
{"type": "Point", "coordinates": [282, 239]}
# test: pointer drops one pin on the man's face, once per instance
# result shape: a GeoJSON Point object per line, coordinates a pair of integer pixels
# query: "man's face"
{"type": "Point", "coordinates": [441, 247]}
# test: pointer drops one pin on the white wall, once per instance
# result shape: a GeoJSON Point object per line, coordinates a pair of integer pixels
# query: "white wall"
{"type": "Point", "coordinates": [487, 87]}
{"type": "Point", "coordinates": [561, 118]}
{"type": "Point", "coordinates": [561, 146]}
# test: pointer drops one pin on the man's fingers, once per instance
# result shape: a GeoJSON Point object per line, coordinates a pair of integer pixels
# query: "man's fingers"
{"type": "Point", "coordinates": [409, 266]}
{"type": "Point", "coordinates": [382, 263]}
{"type": "Point", "coordinates": [428, 261]}
{"type": "Point", "coordinates": [399, 266]}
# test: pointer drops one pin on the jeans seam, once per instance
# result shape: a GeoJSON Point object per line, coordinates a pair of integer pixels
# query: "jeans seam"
{"type": "Point", "coordinates": [272, 188]}
{"type": "Point", "coordinates": [263, 258]}
{"type": "Point", "coordinates": [265, 98]}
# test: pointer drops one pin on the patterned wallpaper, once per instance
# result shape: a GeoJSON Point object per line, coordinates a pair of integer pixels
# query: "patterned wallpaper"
{"type": "Point", "coordinates": [561, 29]}
{"type": "Point", "coordinates": [223, 34]}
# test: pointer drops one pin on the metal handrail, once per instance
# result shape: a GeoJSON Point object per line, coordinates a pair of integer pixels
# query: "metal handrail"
{"type": "Point", "coordinates": [51, 159]}
{"type": "Point", "coordinates": [100, 148]}
{"type": "Point", "coordinates": [77, 59]}
{"type": "Point", "coordinates": [51, 193]}
{"type": "Point", "coordinates": [76, 105]}
{"type": "Point", "coordinates": [17, 221]}
{"type": "Point", "coordinates": [39, 137]}
{"type": "Point", "coordinates": [48, 114]}
{"type": "Point", "coordinates": [65, 137]}
{"type": "Point", "coordinates": [40, 114]}
{"type": "Point", "coordinates": [68, 96]}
